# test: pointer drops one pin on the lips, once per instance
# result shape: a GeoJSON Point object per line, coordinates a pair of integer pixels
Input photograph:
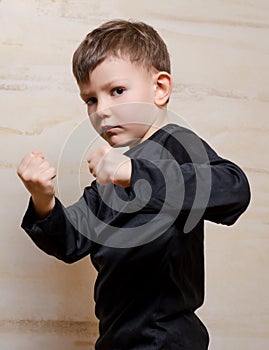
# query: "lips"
{"type": "Point", "coordinates": [109, 128]}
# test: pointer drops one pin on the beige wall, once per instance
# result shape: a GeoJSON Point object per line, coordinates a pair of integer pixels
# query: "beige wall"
{"type": "Point", "coordinates": [220, 57]}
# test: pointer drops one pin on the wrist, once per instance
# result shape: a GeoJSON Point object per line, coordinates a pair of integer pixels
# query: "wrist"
{"type": "Point", "coordinates": [123, 174]}
{"type": "Point", "coordinates": [43, 205]}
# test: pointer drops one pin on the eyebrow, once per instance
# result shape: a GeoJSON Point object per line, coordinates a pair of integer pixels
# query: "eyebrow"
{"type": "Point", "coordinates": [85, 93]}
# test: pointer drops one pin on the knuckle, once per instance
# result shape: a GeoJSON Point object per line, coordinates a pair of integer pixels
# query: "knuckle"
{"type": "Point", "coordinates": [37, 179]}
{"type": "Point", "coordinates": [25, 176]}
{"type": "Point", "coordinates": [33, 178]}
{"type": "Point", "coordinates": [46, 164]}
{"type": "Point", "coordinates": [104, 150]}
{"type": "Point", "coordinates": [19, 172]}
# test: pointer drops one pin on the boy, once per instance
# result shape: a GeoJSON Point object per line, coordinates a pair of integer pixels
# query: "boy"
{"type": "Point", "coordinates": [141, 221]}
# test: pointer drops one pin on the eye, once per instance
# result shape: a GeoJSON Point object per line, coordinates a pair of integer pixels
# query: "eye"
{"type": "Point", "coordinates": [117, 91]}
{"type": "Point", "coordinates": [91, 101]}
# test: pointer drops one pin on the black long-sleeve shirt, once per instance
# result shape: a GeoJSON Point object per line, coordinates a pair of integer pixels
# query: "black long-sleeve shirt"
{"type": "Point", "coordinates": [147, 241]}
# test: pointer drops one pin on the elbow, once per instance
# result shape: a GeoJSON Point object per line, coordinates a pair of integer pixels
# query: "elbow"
{"type": "Point", "coordinates": [241, 204]}
{"type": "Point", "coordinates": [67, 260]}
{"type": "Point", "coordinates": [234, 202]}
{"type": "Point", "coordinates": [63, 256]}
{"type": "Point", "coordinates": [244, 193]}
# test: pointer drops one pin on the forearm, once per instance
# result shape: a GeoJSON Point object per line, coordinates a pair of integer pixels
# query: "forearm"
{"type": "Point", "coordinates": [230, 193]}
{"type": "Point", "coordinates": [43, 205]}
{"type": "Point", "coordinates": [55, 234]}
{"type": "Point", "coordinates": [218, 191]}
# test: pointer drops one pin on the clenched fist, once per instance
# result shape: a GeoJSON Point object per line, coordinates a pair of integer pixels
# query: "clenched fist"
{"type": "Point", "coordinates": [107, 165]}
{"type": "Point", "coordinates": [37, 176]}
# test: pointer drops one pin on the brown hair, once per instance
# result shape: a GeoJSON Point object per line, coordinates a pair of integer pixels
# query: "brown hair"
{"type": "Point", "coordinates": [137, 41]}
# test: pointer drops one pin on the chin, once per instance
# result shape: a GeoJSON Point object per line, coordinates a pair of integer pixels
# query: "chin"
{"type": "Point", "coordinates": [123, 143]}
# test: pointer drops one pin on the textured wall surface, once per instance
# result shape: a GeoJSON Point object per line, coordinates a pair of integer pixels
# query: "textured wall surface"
{"type": "Point", "coordinates": [220, 57]}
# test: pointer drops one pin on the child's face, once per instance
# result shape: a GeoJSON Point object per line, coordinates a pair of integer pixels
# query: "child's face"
{"type": "Point", "coordinates": [120, 98]}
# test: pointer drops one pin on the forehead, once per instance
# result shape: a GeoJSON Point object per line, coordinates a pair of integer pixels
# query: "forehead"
{"type": "Point", "coordinates": [117, 66]}
{"type": "Point", "coordinates": [112, 70]}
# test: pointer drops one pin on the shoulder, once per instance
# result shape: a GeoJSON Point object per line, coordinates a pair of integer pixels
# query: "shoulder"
{"type": "Point", "coordinates": [181, 142]}
{"type": "Point", "coordinates": [184, 144]}
{"type": "Point", "coordinates": [170, 132]}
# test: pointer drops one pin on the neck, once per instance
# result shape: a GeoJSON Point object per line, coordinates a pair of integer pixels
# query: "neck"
{"type": "Point", "coordinates": [160, 121]}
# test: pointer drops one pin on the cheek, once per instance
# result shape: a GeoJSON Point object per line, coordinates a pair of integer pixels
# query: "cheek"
{"type": "Point", "coordinates": [134, 112]}
{"type": "Point", "coordinates": [95, 122]}
{"type": "Point", "coordinates": [139, 129]}
{"type": "Point", "coordinates": [90, 111]}
{"type": "Point", "coordinates": [147, 93]}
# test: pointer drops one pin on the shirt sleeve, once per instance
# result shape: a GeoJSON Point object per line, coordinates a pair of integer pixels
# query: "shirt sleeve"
{"type": "Point", "coordinates": [64, 233]}
{"type": "Point", "coordinates": [202, 184]}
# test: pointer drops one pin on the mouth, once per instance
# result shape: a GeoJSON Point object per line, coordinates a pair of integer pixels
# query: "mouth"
{"type": "Point", "coordinates": [109, 129]}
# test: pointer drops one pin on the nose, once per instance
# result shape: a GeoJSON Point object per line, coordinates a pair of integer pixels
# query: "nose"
{"type": "Point", "coordinates": [103, 109]}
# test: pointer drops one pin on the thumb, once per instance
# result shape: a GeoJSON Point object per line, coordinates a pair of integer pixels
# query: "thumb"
{"type": "Point", "coordinates": [38, 154]}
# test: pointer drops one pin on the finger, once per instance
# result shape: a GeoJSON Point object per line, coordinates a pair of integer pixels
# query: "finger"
{"type": "Point", "coordinates": [42, 165]}
{"type": "Point", "coordinates": [102, 180]}
{"type": "Point", "coordinates": [92, 171]}
{"type": "Point", "coordinates": [32, 167]}
{"type": "Point", "coordinates": [47, 177]}
{"type": "Point", "coordinates": [25, 160]}
{"type": "Point", "coordinates": [42, 178]}
{"type": "Point", "coordinates": [52, 173]}
{"type": "Point", "coordinates": [24, 164]}
{"type": "Point", "coordinates": [99, 153]}
{"type": "Point", "coordinates": [93, 160]}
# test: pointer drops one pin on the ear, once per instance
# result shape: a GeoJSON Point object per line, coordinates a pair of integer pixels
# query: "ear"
{"type": "Point", "coordinates": [163, 88]}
